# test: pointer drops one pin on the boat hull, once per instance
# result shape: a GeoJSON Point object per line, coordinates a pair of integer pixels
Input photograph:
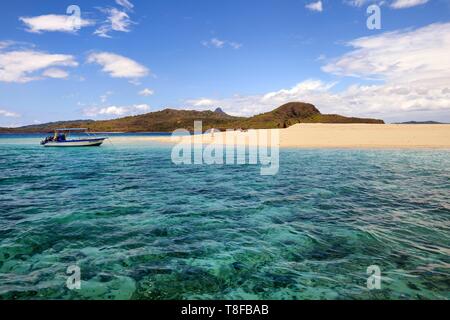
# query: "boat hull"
{"type": "Point", "coordinates": [75, 143]}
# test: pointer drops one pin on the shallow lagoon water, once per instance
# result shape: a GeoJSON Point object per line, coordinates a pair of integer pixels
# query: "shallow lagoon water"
{"type": "Point", "coordinates": [140, 227]}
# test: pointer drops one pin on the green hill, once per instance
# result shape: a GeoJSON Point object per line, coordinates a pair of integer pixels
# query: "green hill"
{"type": "Point", "coordinates": [421, 122]}
{"type": "Point", "coordinates": [169, 120]}
{"type": "Point", "coordinates": [298, 112]}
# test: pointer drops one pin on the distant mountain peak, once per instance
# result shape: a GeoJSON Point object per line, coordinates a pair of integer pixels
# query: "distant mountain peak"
{"type": "Point", "coordinates": [420, 122]}
{"type": "Point", "coordinates": [220, 111]}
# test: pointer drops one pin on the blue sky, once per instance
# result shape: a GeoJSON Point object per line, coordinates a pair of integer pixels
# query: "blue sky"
{"type": "Point", "coordinates": [134, 56]}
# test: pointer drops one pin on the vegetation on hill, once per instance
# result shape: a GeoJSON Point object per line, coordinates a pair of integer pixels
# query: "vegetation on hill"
{"type": "Point", "coordinates": [421, 122]}
{"type": "Point", "coordinates": [169, 120]}
{"type": "Point", "coordinates": [297, 112]}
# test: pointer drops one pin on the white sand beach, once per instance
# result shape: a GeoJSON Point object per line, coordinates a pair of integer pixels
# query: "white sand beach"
{"type": "Point", "coordinates": [366, 136]}
{"type": "Point", "coordinates": [334, 136]}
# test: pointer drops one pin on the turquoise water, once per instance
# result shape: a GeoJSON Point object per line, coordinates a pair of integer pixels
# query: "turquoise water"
{"type": "Point", "coordinates": [140, 227]}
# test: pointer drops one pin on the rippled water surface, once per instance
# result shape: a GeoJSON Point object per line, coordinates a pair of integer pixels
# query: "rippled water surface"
{"type": "Point", "coordinates": [140, 227]}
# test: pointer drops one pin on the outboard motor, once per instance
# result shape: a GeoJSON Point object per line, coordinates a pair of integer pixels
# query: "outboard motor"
{"type": "Point", "coordinates": [46, 140]}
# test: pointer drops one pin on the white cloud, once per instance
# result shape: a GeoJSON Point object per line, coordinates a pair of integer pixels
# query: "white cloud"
{"type": "Point", "coordinates": [219, 44]}
{"type": "Point", "coordinates": [22, 66]}
{"type": "Point", "coordinates": [117, 21]}
{"type": "Point", "coordinates": [413, 71]}
{"type": "Point", "coordinates": [5, 44]}
{"type": "Point", "coordinates": [54, 23]}
{"type": "Point", "coordinates": [120, 21]}
{"type": "Point", "coordinates": [116, 111]}
{"type": "Point", "coordinates": [299, 90]}
{"type": "Point", "coordinates": [118, 66]}
{"type": "Point", "coordinates": [146, 92]}
{"type": "Point", "coordinates": [235, 45]}
{"type": "Point", "coordinates": [56, 73]}
{"type": "Point", "coordinates": [380, 101]}
{"type": "Point", "coordinates": [251, 105]}
{"type": "Point", "coordinates": [400, 4]}
{"type": "Point", "coordinates": [9, 114]}
{"type": "Point", "coordinates": [126, 4]}
{"type": "Point", "coordinates": [142, 108]}
{"type": "Point", "coordinates": [13, 125]}
{"type": "Point", "coordinates": [202, 102]}
{"type": "Point", "coordinates": [357, 3]}
{"type": "Point", "coordinates": [113, 110]}
{"type": "Point", "coordinates": [104, 97]}
{"type": "Point", "coordinates": [394, 4]}
{"type": "Point", "coordinates": [315, 6]}
{"type": "Point", "coordinates": [401, 56]}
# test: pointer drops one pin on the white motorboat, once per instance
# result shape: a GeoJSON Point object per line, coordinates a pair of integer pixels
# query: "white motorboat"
{"type": "Point", "coordinates": [62, 138]}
